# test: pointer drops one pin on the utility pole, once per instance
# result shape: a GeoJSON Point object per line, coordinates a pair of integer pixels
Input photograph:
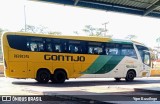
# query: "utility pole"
{"type": "Point", "coordinates": [25, 25]}
{"type": "Point", "coordinates": [105, 28]}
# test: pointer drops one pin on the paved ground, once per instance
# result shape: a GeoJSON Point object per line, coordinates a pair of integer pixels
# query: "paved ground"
{"type": "Point", "coordinates": [94, 89]}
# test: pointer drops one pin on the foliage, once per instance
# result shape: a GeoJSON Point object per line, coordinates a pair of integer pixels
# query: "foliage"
{"type": "Point", "coordinates": [131, 37]}
{"type": "Point", "coordinates": [92, 31]}
{"type": "Point", "coordinates": [39, 29]}
{"type": "Point", "coordinates": [35, 29]}
{"type": "Point", "coordinates": [76, 32]}
{"type": "Point", "coordinates": [89, 29]}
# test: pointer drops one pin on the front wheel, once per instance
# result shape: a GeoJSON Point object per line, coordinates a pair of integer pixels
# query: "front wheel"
{"type": "Point", "coordinates": [43, 76]}
{"type": "Point", "coordinates": [130, 76]}
{"type": "Point", "coordinates": [58, 77]}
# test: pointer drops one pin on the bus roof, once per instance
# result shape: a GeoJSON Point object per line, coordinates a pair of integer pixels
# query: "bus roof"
{"type": "Point", "coordinates": [87, 38]}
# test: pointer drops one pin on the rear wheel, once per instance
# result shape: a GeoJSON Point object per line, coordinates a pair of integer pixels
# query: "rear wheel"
{"type": "Point", "coordinates": [58, 77]}
{"type": "Point", "coordinates": [43, 76]}
{"type": "Point", "coordinates": [130, 76]}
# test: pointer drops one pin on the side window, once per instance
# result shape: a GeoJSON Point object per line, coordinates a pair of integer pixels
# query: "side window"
{"type": "Point", "coordinates": [112, 49]}
{"type": "Point", "coordinates": [35, 44]}
{"type": "Point", "coordinates": [90, 50]}
{"type": "Point", "coordinates": [58, 48]}
{"type": "Point", "coordinates": [49, 45]}
{"type": "Point", "coordinates": [17, 42]}
{"type": "Point", "coordinates": [55, 45]}
{"type": "Point", "coordinates": [41, 46]}
{"type": "Point", "coordinates": [75, 47]}
{"type": "Point", "coordinates": [128, 50]}
{"type": "Point", "coordinates": [95, 48]}
{"type": "Point", "coordinates": [59, 45]}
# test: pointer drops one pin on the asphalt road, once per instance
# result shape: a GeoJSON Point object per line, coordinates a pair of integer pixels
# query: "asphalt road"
{"type": "Point", "coordinates": [81, 86]}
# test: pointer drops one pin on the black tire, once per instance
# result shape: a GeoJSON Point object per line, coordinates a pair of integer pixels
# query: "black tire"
{"type": "Point", "coordinates": [58, 77]}
{"type": "Point", "coordinates": [117, 79]}
{"type": "Point", "coordinates": [130, 76]}
{"type": "Point", "coordinates": [43, 76]}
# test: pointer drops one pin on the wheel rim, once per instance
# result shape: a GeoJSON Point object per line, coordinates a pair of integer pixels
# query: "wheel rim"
{"type": "Point", "coordinates": [131, 75]}
{"type": "Point", "coordinates": [43, 76]}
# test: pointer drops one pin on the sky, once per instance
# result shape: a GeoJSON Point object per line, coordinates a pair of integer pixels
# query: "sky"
{"type": "Point", "coordinates": [67, 19]}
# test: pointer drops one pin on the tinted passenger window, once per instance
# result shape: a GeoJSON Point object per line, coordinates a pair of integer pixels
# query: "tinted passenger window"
{"type": "Point", "coordinates": [75, 46]}
{"type": "Point", "coordinates": [17, 42]}
{"type": "Point", "coordinates": [128, 50]}
{"type": "Point", "coordinates": [35, 44]}
{"type": "Point", "coordinates": [49, 45]}
{"type": "Point", "coordinates": [95, 48]}
{"type": "Point", "coordinates": [58, 48]}
{"type": "Point", "coordinates": [112, 49]}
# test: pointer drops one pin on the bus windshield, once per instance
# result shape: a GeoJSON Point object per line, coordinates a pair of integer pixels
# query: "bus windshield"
{"type": "Point", "coordinates": [144, 53]}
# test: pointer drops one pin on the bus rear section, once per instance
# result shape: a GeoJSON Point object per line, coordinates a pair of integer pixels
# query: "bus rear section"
{"type": "Point", "coordinates": [5, 50]}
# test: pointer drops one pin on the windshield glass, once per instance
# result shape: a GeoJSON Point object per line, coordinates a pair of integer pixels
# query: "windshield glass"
{"type": "Point", "coordinates": [145, 56]}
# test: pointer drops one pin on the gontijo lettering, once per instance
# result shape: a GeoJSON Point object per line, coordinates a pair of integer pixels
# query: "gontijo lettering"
{"type": "Point", "coordinates": [64, 58]}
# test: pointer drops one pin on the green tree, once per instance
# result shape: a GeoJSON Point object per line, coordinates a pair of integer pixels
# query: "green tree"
{"type": "Point", "coordinates": [35, 29]}
{"type": "Point", "coordinates": [99, 31]}
{"type": "Point", "coordinates": [92, 31]}
{"type": "Point", "coordinates": [76, 32]}
{"type": "Point", "coordinates": [39, 29]}
{"type": "Point", "coordinates": [89, 30]}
